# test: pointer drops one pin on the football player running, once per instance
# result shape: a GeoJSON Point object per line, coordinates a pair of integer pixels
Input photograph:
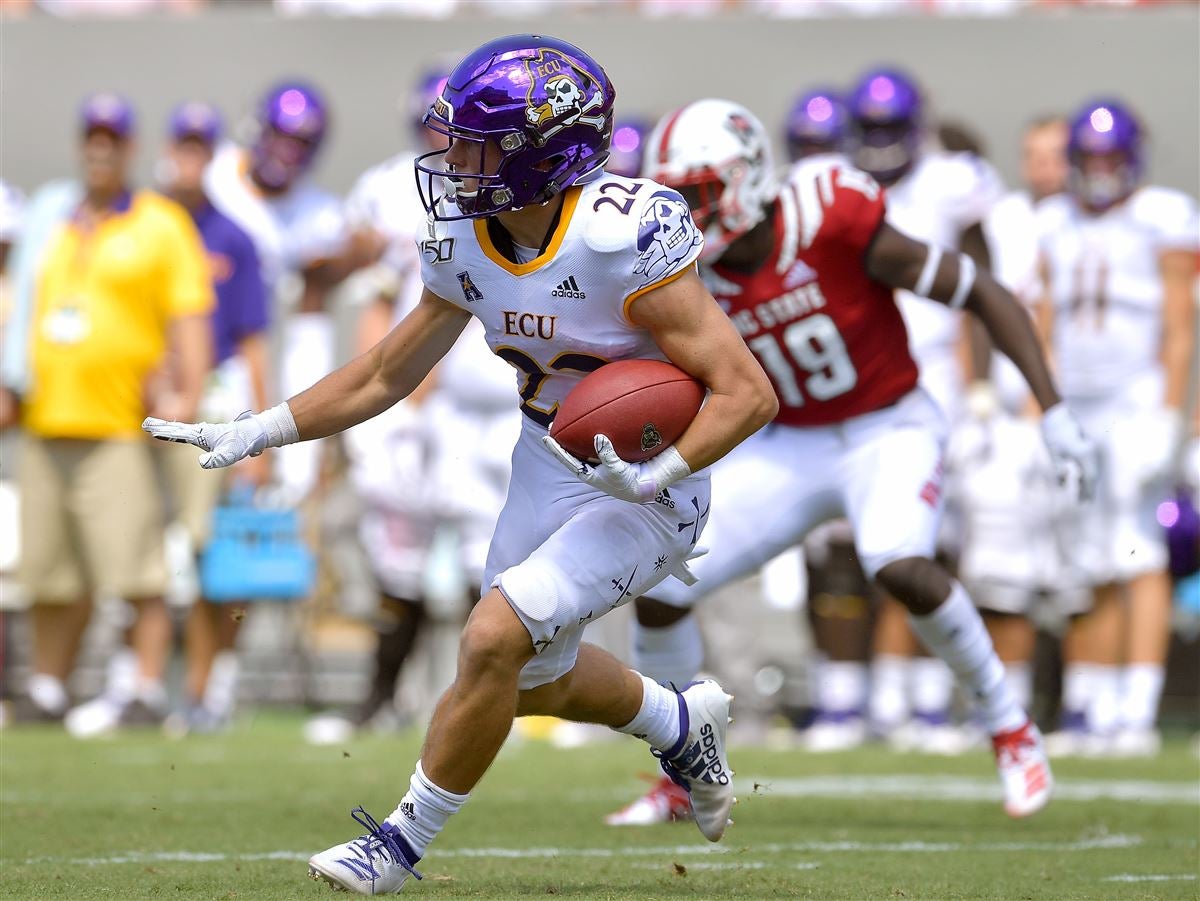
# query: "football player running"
{"type": "Point", "coordinates": [520, 203]}
{"type": "Point", "coordinates": [806, 273]}
{"type": "Point", "coordinates": [1119, 262]}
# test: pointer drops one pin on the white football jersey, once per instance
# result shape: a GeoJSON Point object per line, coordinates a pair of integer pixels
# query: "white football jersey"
{"type": "Point", "coordinates": [292, 231]}
{"type": "Point", "coordinates": [385, 199]}
{"type": "Point", "coordinates": [944, 194]}
{"type": "Point", "coordinates": [1105, 284]}
{"type": "Point", "coordinates": [563, 314]}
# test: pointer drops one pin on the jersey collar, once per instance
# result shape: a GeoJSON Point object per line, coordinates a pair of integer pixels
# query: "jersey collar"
{"type": "Point", "coordinates": [570, 201]}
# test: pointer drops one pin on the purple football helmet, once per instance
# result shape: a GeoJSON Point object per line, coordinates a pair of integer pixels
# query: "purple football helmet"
{"type": "Point", "coordinates": [542, 105]}
{"type": "Point", "coordinates": [885, 106]}
{"type": "Point", "coordinates": [293, 121]}
{"type": "Point", "coordinates": [818, 123]}
{"type": "Point", "coordinates": [1105, 151]}
{"type": "Point", "coordinates": [628, 147]}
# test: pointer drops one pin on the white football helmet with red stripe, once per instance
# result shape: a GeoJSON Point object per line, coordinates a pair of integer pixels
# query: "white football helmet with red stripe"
{"type": "Point", "coordinates": [722, 149]}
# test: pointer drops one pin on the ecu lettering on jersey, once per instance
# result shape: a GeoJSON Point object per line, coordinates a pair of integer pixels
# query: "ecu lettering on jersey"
{"type": "Point", "coordinates": [564, 313]}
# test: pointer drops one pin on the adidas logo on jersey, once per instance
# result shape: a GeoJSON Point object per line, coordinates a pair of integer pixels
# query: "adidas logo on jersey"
{"type": "Point", "coordinates": [800, 273]}
{"type": "Point", "coordinates": [568, 288]}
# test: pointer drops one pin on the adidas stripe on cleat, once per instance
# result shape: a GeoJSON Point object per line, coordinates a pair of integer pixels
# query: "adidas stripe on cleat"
{"type": "Point", "coordinates": [698, 762]}
{"type": "Point", "coordinates": [569, 288]}
{"type": "Point", "coordinates": [378, 863]}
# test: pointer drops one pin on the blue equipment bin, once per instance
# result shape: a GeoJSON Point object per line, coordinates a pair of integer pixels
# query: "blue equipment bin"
{"type": "Point", "coordinates": [256, 554]}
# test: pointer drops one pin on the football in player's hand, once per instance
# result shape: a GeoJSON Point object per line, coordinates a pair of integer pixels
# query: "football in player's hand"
{"type": "Point", "coordinates": [641, 405]}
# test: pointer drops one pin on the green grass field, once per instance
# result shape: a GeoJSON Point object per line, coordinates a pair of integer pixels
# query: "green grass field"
{"type": "Point", "coordinates": [235, 817]}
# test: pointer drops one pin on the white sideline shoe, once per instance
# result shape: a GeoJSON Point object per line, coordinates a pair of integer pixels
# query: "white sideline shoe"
{"type": "Point", "coordinates": [832, 732]}
{"type": "Point", "coordinates": [378, 863]}
{"type": "Point", "coordinates": [1135, 743]}
{"type": "Point", "coordinates": [1024, 770]}
{"type": "Point", "coordinates": [698, 762]}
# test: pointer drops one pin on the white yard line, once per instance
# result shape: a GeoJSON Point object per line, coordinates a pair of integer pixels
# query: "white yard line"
{"type": "Point", "coordinates": [942, 788]}
{"type": "Point", "coordinates": [1151, 877]}
{"type": "Point", "coordinates": [1108, 842]}
{"type": "Point", "coordinates": [906, 787]}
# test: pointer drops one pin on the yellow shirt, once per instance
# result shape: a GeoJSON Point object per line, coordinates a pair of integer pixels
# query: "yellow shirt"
{"type": "Point", "coordinates": [105, 299]}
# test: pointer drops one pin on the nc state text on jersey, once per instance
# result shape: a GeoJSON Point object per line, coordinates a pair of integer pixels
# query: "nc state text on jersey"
{"type": "Point", "coordinates": [529, 325]}
{"type": "Point", "coordinates": [800, 302]}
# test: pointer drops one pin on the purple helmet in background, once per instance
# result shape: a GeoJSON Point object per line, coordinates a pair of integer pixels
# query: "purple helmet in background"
{"type": "Point", "coordinates": [545, 105]}
{"type": "Point", "coordinates": [818, 123]}
{"type": "Point", "coordinates": [628, 147]}
{"type": "Point", "coordinates": [425, 91]}
{"type": "Point", "coordinates": [293, 121]}
{"type": "Point", "coordinates": [1105, 152]}
{"type": "Point", "coordinates": [885, 108]}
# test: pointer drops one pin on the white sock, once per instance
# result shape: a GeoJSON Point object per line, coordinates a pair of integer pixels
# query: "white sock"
{"type": "Point", "coordinates": [672, 654]}
{"type": "Point", "coordinates": [1079, 684]}
{"type": "Point", "coordinates": [1140, 693]}
{"type": "Point", "coordinates": [841, 686]}
{"type": "Point", "coordinates": [221, 691]}
{"type": "Point", "coordinates": [48, 692]}
{"type": "Point", "coordinates": [932, 686]}
{"type": "Point", "coordinates": [1104, 704]}
{"type": "Point", "coordinates": [152, 693]}
{"type": "Point", "coordinates": [889, 691]}
{"type": "Point", "coordinates": [121, 679]}
{"type": "Point", "coordinates": [423, 811]}
{"type": "Point", "coordinates": [1019, 677]}
{"type": "Point", "coordinates": [657, 721]}
{"type": "Point", "coordinates": [955, 633]}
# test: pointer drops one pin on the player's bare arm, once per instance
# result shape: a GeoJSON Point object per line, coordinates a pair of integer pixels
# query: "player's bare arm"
{"type": "Point", "coordinates": [1178, 270]}
{"type": "Point", "coordinates": [385, 374]}
{"type": "Point", "coordinates": [699, 338]}
{"type": "Point", "coordinates": [363, 388]}
{"type": "Point", "coordinates": [955, 280]}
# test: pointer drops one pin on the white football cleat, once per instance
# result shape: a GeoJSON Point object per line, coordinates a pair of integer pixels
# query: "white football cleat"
{"type": "Point", "coordinates": [698, 763]}
{"type": "Point", "coordinates": [378, 863]}
{"type": "Point", "coordinates": [666, 802]}
{"type": "Point", "coordinates": [1024, 770]}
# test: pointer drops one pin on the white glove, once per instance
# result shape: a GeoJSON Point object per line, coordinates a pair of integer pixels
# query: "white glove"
{"type": "Point", "coordinates": [637, 483]}
{"type": "Point", "coordinates": [228, 442]}
{"type": "Point", "coordinates": [1075, 455]}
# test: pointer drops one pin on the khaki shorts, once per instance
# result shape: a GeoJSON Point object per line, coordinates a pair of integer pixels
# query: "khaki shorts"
{"type": "Point", "coordinates": [194, 492]}
{"type": "Point", "coordinates": [91, 520]}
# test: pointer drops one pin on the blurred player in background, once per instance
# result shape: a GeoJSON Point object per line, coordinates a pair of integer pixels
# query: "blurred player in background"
{"type": "Point", "coordinates": [943, 198]}
{"type": "Point", "coordinates": [120, 281]}
{"type": "Point", "coordinates": [841, 600]}
{"type": "Point", "coordinates": [520, 207]}
{"type": "Point", "coordinates": [441, 455]}
{"type": "Point", "coordinates": [807, 274]}
{"type": "Point", "coordinates": [818, 124]}
{"type": "Point", "coordinates": [1013, 548]}
{"type": "Point", "coordinates": [628, 147]}
{"type": "Point", "coordinates": [238, 382]}
{"type": "Point", "coordinates": [1119, 263]}
{"type": "Point", "coordinates": [298, 230]}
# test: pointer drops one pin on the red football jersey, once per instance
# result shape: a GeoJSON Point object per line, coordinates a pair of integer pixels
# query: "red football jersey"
{"type": "Point", "coordinates": [829, 336]}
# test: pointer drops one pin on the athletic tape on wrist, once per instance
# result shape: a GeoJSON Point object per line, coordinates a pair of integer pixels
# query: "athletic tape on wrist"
{"type": "Point", "coordinates": [279, 425]}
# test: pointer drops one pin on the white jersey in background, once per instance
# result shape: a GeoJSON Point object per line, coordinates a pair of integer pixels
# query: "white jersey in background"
{"type": "Point", "coordinates": [1106, 287]}
{"type": "Point", "coordinates": [1011, 231]}
{"type": "Point", "coordinates": [565, 553]}
{"type": "Point", "coordinates": [944, 194]}
{"type": "Point", "coordinates": [291, 232]}
{"type": "Point", "coordinates": [385, 199]}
